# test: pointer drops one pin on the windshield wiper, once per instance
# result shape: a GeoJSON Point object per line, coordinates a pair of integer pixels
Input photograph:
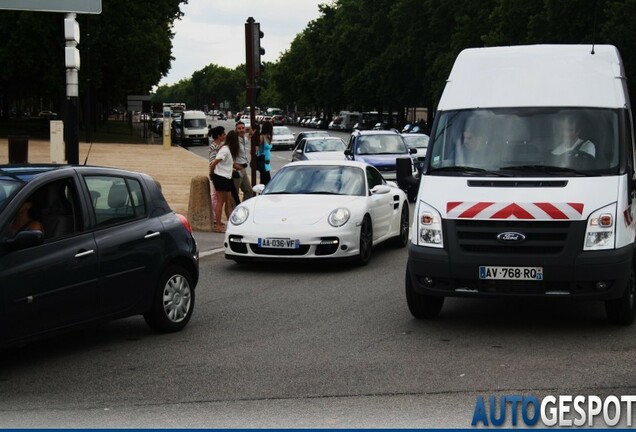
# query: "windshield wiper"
{"type": "Point", "coordinates": [549, 169]}
{"type": "Point", "coordinates": [469, 170]}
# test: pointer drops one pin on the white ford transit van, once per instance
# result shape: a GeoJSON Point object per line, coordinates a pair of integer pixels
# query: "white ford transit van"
{"type": "Point", "coordinates": [528, 187]}
{"type": "Point", "coordinates": [194, 128]}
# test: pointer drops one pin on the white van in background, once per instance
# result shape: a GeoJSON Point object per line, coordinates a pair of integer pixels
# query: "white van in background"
{"type": "Point", "coordinates": [194, 128]}
{"type": "Point", "coordinates": [528, 185]}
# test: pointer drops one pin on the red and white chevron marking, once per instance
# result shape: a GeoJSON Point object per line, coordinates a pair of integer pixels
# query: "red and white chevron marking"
{"type": "Point", "coordinates": [525, 211]}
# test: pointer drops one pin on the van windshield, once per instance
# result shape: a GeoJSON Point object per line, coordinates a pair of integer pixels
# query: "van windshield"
{"type": "Point", "coordinates": [526, 141]}
{"type": "Point", "coordinates": [195, 123]}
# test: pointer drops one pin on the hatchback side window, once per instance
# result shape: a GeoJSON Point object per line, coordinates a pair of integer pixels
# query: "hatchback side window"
{"type": "Point", "coordinates": [115, 199]}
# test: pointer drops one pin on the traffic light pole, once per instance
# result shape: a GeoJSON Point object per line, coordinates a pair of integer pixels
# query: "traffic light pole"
{"type": "Point", "coordinates": [253, 53]}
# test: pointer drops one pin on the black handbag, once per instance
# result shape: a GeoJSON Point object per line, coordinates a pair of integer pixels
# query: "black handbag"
{"type": "Point", "coordinates": [260, 162]}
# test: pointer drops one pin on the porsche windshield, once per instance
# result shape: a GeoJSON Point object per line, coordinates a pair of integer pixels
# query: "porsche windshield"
{"type": "Point", "coordinates": [526, 141]}
{"type": "Point", "coordinates": [315, 179]}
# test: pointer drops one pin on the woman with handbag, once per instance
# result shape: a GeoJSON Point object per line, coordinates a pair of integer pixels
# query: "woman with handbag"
{"type": "Point", "coordinates": [264, 151]}
{"type": "Point", "coordinates": [221, 168]}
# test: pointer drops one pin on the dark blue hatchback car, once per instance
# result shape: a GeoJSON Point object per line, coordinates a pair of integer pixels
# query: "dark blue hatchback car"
{"type": "Point", "coordinates": [81, 244]}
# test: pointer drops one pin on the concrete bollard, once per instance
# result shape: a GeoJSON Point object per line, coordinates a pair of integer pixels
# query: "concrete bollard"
{"type": "Point", "coordinates": [199, 205]}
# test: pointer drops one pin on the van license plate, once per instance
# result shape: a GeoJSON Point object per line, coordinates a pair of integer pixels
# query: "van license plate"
{"type": "Point", "coordinates": [278, 243]}
{"type": "Point", "coordinates": [511, 273]}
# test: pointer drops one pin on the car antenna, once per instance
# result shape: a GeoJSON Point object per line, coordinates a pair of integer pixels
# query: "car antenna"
{"type": "Point", "coordinates": [594, 29]}
{"type": "Point", "coordinates": [89, 152]}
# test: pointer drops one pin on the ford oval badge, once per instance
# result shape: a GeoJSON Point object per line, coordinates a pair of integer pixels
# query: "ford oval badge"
{"type": "Point", "coordinates": [513, 237]}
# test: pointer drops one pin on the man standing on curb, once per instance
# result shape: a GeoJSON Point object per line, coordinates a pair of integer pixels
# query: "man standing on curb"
{"type": "Point", "coordinates": [243, 182]}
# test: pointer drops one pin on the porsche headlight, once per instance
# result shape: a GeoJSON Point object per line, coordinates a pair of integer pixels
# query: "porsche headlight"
{"type": "Point", "coordinates": [239, 215]}
{"type": "Point", "coordinates": [429, 227]}
{"type": "Point", "coordinates": [339, 217]}
{"type": "Point", "coordinates": [601, 226]}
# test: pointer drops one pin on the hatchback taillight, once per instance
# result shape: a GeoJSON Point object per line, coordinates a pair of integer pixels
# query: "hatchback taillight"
{"type": "Point", "coordinates": [185, 222]}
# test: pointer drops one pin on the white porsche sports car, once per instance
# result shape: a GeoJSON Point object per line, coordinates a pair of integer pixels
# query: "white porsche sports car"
{"type": "Point", "coordinates": [319, 209]}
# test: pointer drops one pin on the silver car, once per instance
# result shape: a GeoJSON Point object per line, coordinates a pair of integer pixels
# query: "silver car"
{"type": "Point", "coordinates": [319, 148]}
{"type": "Point", "coordinates": [282, 137]}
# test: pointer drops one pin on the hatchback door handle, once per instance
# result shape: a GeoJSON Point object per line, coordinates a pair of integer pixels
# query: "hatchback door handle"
{"type": "Point", "coordinates": [152, 235]}
{"type": "Point", "coordinates": [85, 254]}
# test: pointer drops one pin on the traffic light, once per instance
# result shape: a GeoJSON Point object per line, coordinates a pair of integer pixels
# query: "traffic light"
{"type": "Point", "coordinates": [253, 49]}
{"type": "Point", "coordinates": [258, 49]}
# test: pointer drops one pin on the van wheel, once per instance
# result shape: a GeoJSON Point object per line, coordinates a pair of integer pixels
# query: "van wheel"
{"type": "Point", "coordinates": [173, 304]}
{"type": "Point", "coordinates": [422, 306]}
{"type": "Point", "coordinates": [622, 311]}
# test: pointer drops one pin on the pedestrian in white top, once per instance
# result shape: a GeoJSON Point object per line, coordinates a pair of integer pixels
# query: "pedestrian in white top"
{"type": "Point", "coordinates": [221, 168]}
{"type": "Point", "coordinates": [216, 137]}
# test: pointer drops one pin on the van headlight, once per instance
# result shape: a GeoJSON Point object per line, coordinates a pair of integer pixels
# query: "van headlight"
{"type": "Point", "coordinates": [429, 227]}
{"type": "Point", "coordinates": [600, 229]}
{"type": "Point", "coordinates": [239, 215]}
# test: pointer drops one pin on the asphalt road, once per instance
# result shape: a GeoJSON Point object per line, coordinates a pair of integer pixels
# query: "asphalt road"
{"type": "Point", "coordinates": [315, 345]}
{"type": "Point", "coordinates": [306, 345]}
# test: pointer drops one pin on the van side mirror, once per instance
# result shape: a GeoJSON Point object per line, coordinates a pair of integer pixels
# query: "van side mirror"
{"type": "Point", "coordinates": [348, 152]}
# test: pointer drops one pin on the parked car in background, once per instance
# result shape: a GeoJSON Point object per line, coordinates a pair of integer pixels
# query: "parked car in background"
{"type": "Point", "coordinates": [278, 120]}
{"type": "Point", "coordinates": [305, 134]}
{"type": "Point", "coordinates": [319, 148]}
{"type": "Point", "coordinates": [109, 247]}
{"type": "Point", "coordinates": [322, 124]}
{"type": "Point", "coordinates": [319, 210]}
{"type": "Point", "coordinates": [336, 124]}
{"type": "Point", "coordinates": [282, 137]}
{"type": "Point", "coordinates": [419, 142]}
{"type": "Point", "coordinates": [176, 131]}
{"type": "Point", "coordinates": [47, 114]}
{"type": "Point", "coordinates": [314, 122]}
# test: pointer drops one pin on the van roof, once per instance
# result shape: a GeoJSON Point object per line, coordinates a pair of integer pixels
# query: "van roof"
{"type": "Point", "coordinates": [536, 76]}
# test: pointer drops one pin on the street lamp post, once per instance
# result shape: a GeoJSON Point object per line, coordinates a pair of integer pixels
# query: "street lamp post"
{"type": "Point", "coordinates": [72, 63]}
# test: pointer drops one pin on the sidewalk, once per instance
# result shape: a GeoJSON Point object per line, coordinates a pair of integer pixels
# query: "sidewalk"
{"type": "Point", "coordinates": [174, 168]}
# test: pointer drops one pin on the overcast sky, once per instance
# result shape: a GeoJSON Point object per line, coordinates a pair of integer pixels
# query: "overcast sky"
{"type": "Point", "coordinates": [213, 31]}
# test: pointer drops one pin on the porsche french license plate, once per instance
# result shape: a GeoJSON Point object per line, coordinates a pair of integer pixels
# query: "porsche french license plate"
{"type": "Point", "coordinates": [511, 273]}
{"type": "Point", "coordinates": [278, 243]}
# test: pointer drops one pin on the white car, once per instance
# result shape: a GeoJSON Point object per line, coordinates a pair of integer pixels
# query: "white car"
{"type": "Point", "coordinates": [318, 210]}
{"type": "Point", "coordinates": [319, 148]}
{"type": "Point", "coordinates": [419, 142]}
{"type": "Point", "coordinates": [282, 137]}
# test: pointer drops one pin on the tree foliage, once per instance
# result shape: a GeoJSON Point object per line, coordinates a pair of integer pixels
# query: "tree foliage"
{"type": "Point", "coordinates": [358, 54]}
{"type": "Point", "coordinates": [124, 50]}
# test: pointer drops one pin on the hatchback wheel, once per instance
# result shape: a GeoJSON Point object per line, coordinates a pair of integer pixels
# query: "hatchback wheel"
{"type": "Point", "coordinates": [173, 304]}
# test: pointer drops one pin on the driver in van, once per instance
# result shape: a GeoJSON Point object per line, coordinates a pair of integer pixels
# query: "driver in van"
{"type": "Point", "coordinates": [572, 142]}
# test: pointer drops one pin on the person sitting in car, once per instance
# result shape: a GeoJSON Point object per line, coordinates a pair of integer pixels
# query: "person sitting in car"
{"type": "Point", "coordinates": [26, 219]}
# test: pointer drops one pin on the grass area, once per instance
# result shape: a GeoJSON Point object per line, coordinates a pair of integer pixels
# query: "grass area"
{"type": "Point", "coordinates": [115, 131]}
